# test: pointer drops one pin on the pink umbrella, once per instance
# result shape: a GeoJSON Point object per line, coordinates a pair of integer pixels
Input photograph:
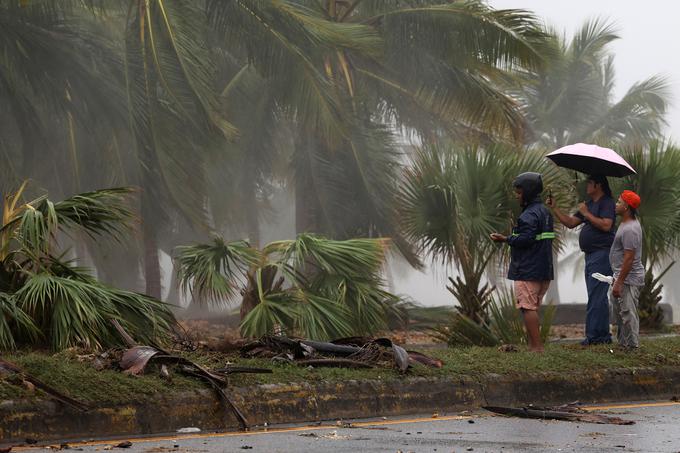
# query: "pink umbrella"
{"type": "Point", "coordinates": [591, 159]}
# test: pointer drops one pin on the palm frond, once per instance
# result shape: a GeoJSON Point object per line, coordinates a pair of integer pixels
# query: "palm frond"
{"type": "Point", "coordinates": [570, 98]}
{"type": "Point", "coordinates": [505, 325]}
{"type": "Point", "coordinates": [15, 324]}
{"type": "Point", "coordinates": [658, 172]}
{"type": "Point", "coordinates": [638, 116]}
{"type": "Point", "coordinates": [102, 212]}
{"type": "Point", "coordinates": [74, 309]}
{"type": "Point", "coordinates": [348, 258]}
{"type": "Point", "coordinates": [274, 311]}
{"type": "Point", "coordinates": [452, 57]}
{"type": "Point", "coordinates": [322, 318]}
{"type": "Point", "coordinates": [211, 272]}
{"type": "Point", "coordinates": [311, 286]}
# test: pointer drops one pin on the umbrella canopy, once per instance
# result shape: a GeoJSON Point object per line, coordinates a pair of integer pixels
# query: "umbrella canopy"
{"type": "Point", "coordinates": [591, 159]}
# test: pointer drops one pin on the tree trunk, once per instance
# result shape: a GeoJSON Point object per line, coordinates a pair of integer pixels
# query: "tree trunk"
{"type": "Point", "coordinates": [152, 266]}
{"type": "Point", "coordinates": [31, 144]}
{"type": "Point", "coordinates": [252, 213]}
{"type": "Point", "coordinates": [307, 207]}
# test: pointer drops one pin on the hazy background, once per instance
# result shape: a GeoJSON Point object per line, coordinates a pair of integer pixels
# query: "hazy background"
{"type": "Point", "coordinates": [648, 45]}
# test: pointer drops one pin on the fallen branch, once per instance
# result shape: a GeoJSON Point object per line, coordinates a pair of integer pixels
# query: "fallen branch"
{"type": "Point", "coordinates": [229, 369]}
{"type": "Point", "coordinates": [546, 414]}
{"type": "Point", "coordinates": [334, 363]}
{"type": "Point", "coordinates": [10, 368]}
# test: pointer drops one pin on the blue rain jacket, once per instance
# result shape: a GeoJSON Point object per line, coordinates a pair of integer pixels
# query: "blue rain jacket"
{"type": "Point", "coordinates": [531, 256]}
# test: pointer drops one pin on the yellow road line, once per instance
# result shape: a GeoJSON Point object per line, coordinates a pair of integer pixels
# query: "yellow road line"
{"type": "Point", "coordinates": [630, 406]}
{"type": "Point", "coordinates": [261, 431]}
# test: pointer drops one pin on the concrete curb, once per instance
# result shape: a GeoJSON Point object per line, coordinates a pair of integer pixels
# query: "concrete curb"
{"type": "Point", "coordinates": [307, 402]}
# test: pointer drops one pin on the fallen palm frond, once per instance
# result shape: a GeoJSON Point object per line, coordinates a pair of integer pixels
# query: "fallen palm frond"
{"type": "Point", "coordinates": [135, 360]}
{"type": "Point", "coordinates": [350, 352]}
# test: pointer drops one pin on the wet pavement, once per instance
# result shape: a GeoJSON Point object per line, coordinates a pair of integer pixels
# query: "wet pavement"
{"type": "Point", "coordinates": [657, 429]}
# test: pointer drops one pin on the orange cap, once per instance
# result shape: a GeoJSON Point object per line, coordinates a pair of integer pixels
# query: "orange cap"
{"type": "Point", "coordinates": [631, 198]}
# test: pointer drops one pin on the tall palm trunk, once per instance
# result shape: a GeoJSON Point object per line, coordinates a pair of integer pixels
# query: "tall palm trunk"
{"type": "Point", "coordinates": [252, 209]}
{"type": "Point", "coordinates": [307, 207]}
{"type": "Point", "coordinates": [152, 267]}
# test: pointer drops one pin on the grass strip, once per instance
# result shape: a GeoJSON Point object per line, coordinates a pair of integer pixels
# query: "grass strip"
{"type": "Point", "coordinates": [80, 380]}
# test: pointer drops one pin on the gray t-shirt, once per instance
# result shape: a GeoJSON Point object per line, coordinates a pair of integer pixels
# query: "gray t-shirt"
{"type": "Point", "coordinates": [628, 237]}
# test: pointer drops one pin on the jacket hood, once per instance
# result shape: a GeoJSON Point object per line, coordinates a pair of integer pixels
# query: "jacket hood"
{"type": "Point", "coordinates": [531, 185]}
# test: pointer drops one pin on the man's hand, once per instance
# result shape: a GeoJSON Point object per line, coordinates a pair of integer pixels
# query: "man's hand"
{"type": "Point", "coordinates": [497, 237]}
{"type": "Point", "coordinates": [617, 290]}
{"type": "Point", "coordinates": [583, 209]}
{"type": "Point", "coordinates": [550, 202]}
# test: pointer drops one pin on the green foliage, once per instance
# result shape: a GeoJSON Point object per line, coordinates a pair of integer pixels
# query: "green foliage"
{"type": "Point", "coordinates": [339, 79]}
{"type": "Point", "coordinates": [213, 270]}
{"type": "Point", "coordinates": [46, 300]}
{"type": "Point", "coordinates": [345, 73]}
{"type": "Point", "coordinates": [651, 316]}
{"type": "Point", "coordinates": [109, 387]}
{"type": "Point", "coordinates": [570, 98]}
{"type": "Point", "coordinates": [658, 183]}
{"type": "Point", "coordinates": [104, 212]}
{"type": "Point", "coordinates": [504, 326]}
{"type": "Point", "coordinates": [450, 202]}
{"type": "Point", "coordinates": [312, 286]}
{"type": "Point", "coordinates": [14, 322]}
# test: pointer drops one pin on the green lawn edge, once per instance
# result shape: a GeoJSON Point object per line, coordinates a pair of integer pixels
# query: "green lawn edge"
{"type": "Point", "coordinates": [82, 381]}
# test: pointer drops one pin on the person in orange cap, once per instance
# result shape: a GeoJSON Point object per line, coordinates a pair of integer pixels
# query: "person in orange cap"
{"type": "Point", "coordinates": [629, 274]}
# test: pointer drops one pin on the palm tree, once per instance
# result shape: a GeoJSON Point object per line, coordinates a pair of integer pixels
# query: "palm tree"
{"type": "Point", "coordinates": [45, 299]}
{"type": "Point", "coordinates": [311, 286]}
{"type": "Point", "coordinates": [343, 75]}
{"type": "Point", "coordinates": [174, 115]}
{"type": "Point", "coordinates": [359, 68]}
{"type": "Point", "coordinates": [571, 98]}
{"type": "Point", "coordinates": [453, 198]}
{"type": "Point", "coordinates": [59, 73]}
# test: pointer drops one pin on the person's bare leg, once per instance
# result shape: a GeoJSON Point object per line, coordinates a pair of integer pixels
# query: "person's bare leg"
{"type": "Point", "coordinates": [531, 322]}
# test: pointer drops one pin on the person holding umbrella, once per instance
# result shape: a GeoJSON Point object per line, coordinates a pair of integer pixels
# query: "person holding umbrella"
{"type": "Point", "coordinates": [597, 215]}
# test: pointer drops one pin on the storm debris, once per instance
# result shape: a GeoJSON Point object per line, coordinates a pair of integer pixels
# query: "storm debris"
{"type": "Point", "coordinates": [571, 415]}
{"type": "Point", "coordinates": [354, 352]}
{"type": "Point", "coordinates": [135, 360]}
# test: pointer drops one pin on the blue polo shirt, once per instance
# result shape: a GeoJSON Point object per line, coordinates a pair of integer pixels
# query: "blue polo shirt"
{"type": "Point", "coordinates": [592, 239]}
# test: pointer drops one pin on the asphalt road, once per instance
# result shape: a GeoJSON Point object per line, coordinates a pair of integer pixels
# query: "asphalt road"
{"type": "Point", "coordinates": [657, 429]}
